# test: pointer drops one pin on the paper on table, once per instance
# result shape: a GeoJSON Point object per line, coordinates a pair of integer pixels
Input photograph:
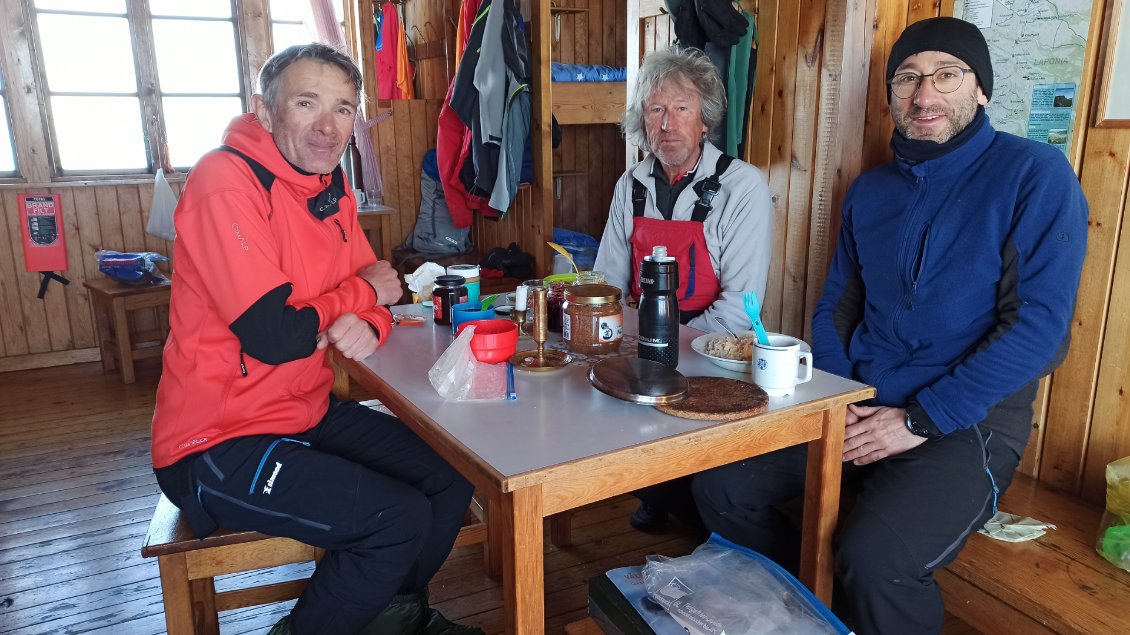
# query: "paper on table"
{"type": "Point", "coordinates": [1013, 528]}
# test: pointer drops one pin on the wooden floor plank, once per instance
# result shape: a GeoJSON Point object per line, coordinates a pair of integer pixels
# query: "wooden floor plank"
{"type": "Point", "coordinates": [76, 495]}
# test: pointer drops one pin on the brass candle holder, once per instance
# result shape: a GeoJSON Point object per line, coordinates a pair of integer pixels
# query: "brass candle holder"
{"type": "Point", "coordinates": [537, 359]}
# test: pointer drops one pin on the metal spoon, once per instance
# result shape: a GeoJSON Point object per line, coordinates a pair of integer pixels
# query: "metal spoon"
{"type": "Point", "coordinates": [723, 325]}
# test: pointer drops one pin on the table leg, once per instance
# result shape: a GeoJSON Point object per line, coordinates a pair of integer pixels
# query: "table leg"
{"type": "Point", "coordinates": [121, 336]}
{"type": "Point", "coordinates": [492, 551]}
{"type": "Point", "coordinates": [102, 326]}
{"type": "Point", "coordinates": [822, 505]}
{"type": "Point", "coordinates": [523, 560]}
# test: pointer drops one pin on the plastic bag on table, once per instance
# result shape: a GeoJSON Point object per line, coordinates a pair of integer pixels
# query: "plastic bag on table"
{"type": "Point", "coordinates": [1114, 530]}
{"type": "Point", "coordinates": [458, 376]}
{"type": "Point", "coordinates": [134, 267]}
{"type": "Point", "coordinates": [722, 588]}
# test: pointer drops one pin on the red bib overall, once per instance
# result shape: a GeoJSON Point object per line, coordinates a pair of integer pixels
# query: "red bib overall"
{"type": "Point", "coordinates": [685, 241]}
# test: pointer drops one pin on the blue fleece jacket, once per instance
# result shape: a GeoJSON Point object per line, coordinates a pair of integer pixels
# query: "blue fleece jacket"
{"type": "Point", "coordinates": [953, 283]}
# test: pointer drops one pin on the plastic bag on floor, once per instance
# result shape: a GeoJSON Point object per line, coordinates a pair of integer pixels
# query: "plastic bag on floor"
{"type": "Point", "coordinates": [1114, 530]}
{"type": "Point", "coordinates": [724, 589]}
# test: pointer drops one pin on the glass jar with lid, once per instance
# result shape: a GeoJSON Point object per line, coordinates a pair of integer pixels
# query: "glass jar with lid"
{"type": "Point", "coordinates": [593, 320]}
{"type": "Point", "coordinates": [448, 291]}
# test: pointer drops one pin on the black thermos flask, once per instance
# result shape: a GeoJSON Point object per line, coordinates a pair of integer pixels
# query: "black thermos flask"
{"type": "Point", "coordinates": [659, 308]}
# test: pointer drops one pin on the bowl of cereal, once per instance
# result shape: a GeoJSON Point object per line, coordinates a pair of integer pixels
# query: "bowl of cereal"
{"type": "Point", "coordinates": [731, 354]}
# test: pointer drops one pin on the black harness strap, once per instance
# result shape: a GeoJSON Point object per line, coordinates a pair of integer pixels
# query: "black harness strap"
{"type": "Point", "coordinates": [322, 206]}
{"type": "Point", "coordinates": [265, 176]}
{"type": "Point", "coordinates": [706, 189]}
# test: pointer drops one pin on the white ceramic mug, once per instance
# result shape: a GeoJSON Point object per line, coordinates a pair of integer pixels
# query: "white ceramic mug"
{"type": "Point", "coordinates": [777, 367]}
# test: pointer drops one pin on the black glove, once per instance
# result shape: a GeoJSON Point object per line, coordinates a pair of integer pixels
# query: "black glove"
{"type": "Point", "coordinates": [724, 25]}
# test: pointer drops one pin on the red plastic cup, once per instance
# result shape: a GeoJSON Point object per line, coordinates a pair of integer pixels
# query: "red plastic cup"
{"type": "Point", "coordinates": [494, 340]}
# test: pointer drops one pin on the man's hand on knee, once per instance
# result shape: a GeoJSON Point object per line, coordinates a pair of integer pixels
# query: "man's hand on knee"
{"type": "Point", "coordinates": [876, 432]}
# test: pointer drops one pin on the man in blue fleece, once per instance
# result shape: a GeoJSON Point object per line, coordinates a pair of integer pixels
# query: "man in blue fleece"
{"type": "Point", "coordinates": [951, 291]}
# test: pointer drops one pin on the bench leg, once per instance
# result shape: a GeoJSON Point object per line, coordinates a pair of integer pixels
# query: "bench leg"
{"type": "Point", "coordinates": [204, 606]}
{"type": "Point", "coordinates": [177, 593]}
{"type": "Point", "coordinates": [122, 337]}
{"type": "Point", "coordinates": [102, 326]}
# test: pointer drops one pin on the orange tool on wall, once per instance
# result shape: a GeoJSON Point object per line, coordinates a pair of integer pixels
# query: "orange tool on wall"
{"type": "Point", "coordinates": [45, 242]}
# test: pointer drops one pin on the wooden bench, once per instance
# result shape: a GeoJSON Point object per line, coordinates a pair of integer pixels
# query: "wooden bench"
{"type": "Point", "coordinates": [1057, 583]}
{"type": "Point", "coordinates": [112, 301]}
{"type": "Point", "coordinates": [189, 567]}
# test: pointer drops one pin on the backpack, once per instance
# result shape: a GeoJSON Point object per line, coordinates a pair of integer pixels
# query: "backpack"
{"type": "Point", "coordinates": [435, 233]}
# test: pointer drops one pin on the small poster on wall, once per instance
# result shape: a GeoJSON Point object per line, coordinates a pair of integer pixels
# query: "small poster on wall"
{"type": "Point", "coordinates": [41, 222]}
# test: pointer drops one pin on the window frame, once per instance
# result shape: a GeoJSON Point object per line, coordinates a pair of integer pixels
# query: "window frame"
{"type": "Point", "coordinates": [6, 112]}
{"type": "Point", "coordinates": [36, 152]}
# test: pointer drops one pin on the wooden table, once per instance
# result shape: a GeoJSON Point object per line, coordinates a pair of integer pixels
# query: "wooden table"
{"type": "Point", "coordinates": [373, 219]}
{"type": "Point", "coordinates": [563, 444]}
{"type": "Point", "coordinates": [112, 302]}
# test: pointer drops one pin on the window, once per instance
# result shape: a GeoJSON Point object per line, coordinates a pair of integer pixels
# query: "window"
{"type": "Point", "coordinates": [7, 146]}
{"type": "Point", "coordinates": [127, 86]}
{"type": "Point", "coordinates": [288, 23]}
{"type": "Point", "coordinates": [152, 82]}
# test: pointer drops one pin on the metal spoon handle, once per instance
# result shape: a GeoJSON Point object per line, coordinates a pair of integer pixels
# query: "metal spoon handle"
{"type": "Point", "coordinates": [726, 328]}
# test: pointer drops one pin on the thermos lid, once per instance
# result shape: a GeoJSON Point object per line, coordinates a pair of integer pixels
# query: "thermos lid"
{"type": "Point", "coordinates": [639, 380]}
{"type": "Point", "coordinates": [467, 271]}
{"type": "Point", "coordinates": [659, 254]}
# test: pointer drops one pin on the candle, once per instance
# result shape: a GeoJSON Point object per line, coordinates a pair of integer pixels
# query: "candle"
{"type": "Point", "coordinates": [520, 297]}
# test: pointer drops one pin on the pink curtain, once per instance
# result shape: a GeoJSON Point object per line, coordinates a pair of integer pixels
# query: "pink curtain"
{"type": "Point", "coordinates": [330, 32]}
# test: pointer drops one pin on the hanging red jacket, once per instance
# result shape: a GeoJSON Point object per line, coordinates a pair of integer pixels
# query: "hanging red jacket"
{"type": "Point", "coordinates": [385, 56]}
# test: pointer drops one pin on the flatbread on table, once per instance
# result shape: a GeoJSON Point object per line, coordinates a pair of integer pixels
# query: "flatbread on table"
{"type": "Point", "coordinates": [718, 398]}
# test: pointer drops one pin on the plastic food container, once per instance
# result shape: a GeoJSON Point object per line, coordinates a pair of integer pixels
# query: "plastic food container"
{"type": "Point", "coordinates": [494, 340]}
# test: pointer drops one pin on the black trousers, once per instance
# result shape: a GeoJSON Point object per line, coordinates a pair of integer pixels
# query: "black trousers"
{"type": "Point", "coordinates": [361, 485]}
{"type": "Point", "coordinates": [911, 515]}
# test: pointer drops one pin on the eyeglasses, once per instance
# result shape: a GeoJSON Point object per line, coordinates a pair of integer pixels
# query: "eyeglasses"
{"type": "Point", "coordinates": [945, 80]}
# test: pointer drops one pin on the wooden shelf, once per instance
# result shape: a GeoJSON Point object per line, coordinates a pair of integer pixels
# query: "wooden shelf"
{"type": "Point", "coordinates": [563, 10]}
{"type": "Point", "coordinates": [578, 103]}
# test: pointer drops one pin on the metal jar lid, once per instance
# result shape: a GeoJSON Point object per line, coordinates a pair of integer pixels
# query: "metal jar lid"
{"type": "Point", "coordinates": [639, 380]}
{"type": "Point", "coordinates": [449, 281]}
{"type": "Point", "coordinates": [592, 294]}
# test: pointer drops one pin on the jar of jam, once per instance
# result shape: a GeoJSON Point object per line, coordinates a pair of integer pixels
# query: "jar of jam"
{"type": "Point", "coordinates": [448, 292]}
{"type": "Point", "coordinates": [593, 321]}
{"type": "Point", "coordinates": [554, 300]}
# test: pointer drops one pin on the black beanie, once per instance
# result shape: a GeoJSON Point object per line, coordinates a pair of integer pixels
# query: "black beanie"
{"type": "Point", "coordinates": [947, 35]}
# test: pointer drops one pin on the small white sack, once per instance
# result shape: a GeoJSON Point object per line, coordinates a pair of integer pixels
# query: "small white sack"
{"type": "Point", "coordinates": [160, 222]}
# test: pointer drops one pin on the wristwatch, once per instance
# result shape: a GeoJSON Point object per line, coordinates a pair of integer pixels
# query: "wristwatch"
{"type": "Point", "coordinates": [918, 429]}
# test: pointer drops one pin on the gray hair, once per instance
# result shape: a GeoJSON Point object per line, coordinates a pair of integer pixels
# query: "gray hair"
{"type": "Point", "coordinates": [271, 74]}
{"type": "Point", "coordinates": [688, 66]}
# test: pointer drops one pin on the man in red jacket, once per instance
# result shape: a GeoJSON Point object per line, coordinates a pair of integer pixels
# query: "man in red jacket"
{"type": "Point", "coordinates": [272, 269]}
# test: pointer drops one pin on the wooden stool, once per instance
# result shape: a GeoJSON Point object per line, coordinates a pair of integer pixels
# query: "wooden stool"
{"type": "Point", "coordinates": [111, 302]}
{"type": "Point", "coordinates": [189, 567]}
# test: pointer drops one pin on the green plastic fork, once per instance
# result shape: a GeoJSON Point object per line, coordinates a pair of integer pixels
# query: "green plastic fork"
{"type": "Point", "coordinates": [753, 310]}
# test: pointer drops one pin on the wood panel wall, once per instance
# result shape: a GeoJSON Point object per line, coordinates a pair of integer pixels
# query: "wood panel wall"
{"type": "Point", "coordinates": [59, 329]}
{"type": "Point", "coordinates": [819, 117]}
{"type": "Point", "coordinates": [590, 157]}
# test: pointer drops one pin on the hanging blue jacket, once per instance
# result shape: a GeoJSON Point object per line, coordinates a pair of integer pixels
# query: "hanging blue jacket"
{"type": "Point", "coordinates": [953, 283]}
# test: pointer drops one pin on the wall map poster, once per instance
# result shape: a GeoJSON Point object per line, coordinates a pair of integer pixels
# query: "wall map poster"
{"type": "Point", "coordinates": [1037, 48]}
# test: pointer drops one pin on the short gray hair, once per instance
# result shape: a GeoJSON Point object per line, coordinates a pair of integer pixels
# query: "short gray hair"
{"type": "Point", "coordinates": [271, 74]}
{"type": "Point", "coordinates": [689, 66]}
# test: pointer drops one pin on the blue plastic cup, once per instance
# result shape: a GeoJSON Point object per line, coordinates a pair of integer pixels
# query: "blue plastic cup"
{"type": "Point", "coordinates": [468, 311]}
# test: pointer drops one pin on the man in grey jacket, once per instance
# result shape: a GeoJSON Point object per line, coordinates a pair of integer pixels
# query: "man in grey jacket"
{"type": "Point", "coordinates": [712, 212]}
